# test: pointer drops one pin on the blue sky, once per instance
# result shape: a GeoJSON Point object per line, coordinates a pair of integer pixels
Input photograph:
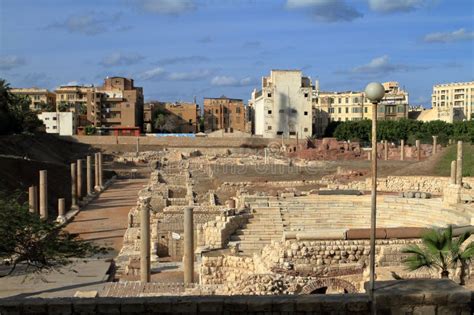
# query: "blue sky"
{"type": "Point", "coordinates": [177, 49]}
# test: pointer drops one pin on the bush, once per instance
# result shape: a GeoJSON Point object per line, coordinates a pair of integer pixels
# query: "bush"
{"type": "Point", "coordinates": [408, 130]}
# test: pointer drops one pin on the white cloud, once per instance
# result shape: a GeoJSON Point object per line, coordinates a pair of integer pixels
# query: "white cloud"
{"type": "Point", "coordinates": [120, 59]}
{"type": "Point", "coordinates": [230, 81]}
{"type": "Point", "coordinates": [326, 10]}
{"type": "Point", "coordinates": [10, 62]}
{"type": "Point", "coordinates": [185, 59]}
{"type": "Point", "coordinates": [90, 23]}
{"type": "Point", "coordinates": [447, 37]}
{"type": "Point", "coordinates": [165, 7]}
{"type": "Point", "coordinates": [189, 76]}
{"type": "Point", "coordinates": [382, 65]}
{"type": "Point", "coordinates": [153, 74]}
{"type": "Point", "coordinates": [394, 6]}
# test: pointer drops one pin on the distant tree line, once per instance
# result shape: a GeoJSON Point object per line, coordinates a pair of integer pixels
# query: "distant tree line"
{"type": "Point", "coordinates": [15, 113]}
{"type": "Point", "coordinates": [406, 129]}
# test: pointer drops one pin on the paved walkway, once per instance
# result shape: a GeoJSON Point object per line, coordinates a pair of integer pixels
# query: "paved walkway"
{"type": "Point", "coordinates": [105, 219]}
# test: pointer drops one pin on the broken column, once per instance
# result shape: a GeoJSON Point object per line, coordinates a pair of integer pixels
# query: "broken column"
{"type": "Point", "coordinates": [61, 210]}
{"type": "Point", "coordinates": [79, 179]}
{"type": "Point", "coordinates": [459, 164]}
{"type": "Point", "coordinates": [385, 150]}
{"type": "Point", "coordinates": [138, 146]}
{"type": "Point", "coordinates": [402, 149]}
{"type": "Point", "coordinates": [89, 175]}
{"type": "Point", "coordinates": [32, 199]}
{"type": "Point", "coordinates": [43, 194]}
{"type": "Point", "coordinates": [73, 186]}
{"type": "Point", "coordinates": [188, 257]}
{"type": "Point", "coordinates": [435, 143]}
{"type": "Point", "coordinates": [418, 149]}
{"type": "Point", "coordinates": [144, 207]}
{"type": "Point", "coordinates": [96, 172]}
{"type": "Point", "coordinates": [453, 173]}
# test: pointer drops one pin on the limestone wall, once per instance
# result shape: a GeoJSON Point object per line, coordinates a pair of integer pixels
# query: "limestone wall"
{"type": "Point", "coordinates": [431, 184]}
{"type": "Point", "coordinates": [215, 234]}
{"type": "Point", "coordinates": [223, 269]}
{"type": "Point", "coordinates": [393, 297]}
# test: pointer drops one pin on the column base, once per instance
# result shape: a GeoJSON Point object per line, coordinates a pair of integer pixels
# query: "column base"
{"type": "Point", "coordinates": [61, 219]}
{"type": "Point", "coordinates": [74, 207]}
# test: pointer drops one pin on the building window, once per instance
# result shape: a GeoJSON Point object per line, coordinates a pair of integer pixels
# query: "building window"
{"type": "Point", "coordinates": [237, 110]}
{"type": "Point", "coordinates": [279, 133]}
{"type": "Point", "coordinates": [269, 95]}
{"type": "Point", "coordinates": [365, 110]}
{"type": "Point", "coordinates": [347, 100]}
{"type": "Point", "coordinates": [306, 95]}
{"type": "Point", "coordinates": [339, 110]}
{"type": "Point", "coordinates": [281, 111]}
{"type": "Point", "coordinates": [269, 112]}
{"type": "Point", "coordinates": [306, 113]}
{"type": "Point", "coordinates": [55, 118]}
{"type": "Point", "coordinates": [347, 110]}
{"type": "Point", "coordinates": [339, 100]}
{"type": "Point", "coordinates": [305, 129]}
{"type": "Point", "coordinates": [294, 111]}
{"type": "Point", "coordinates": [269, 128]}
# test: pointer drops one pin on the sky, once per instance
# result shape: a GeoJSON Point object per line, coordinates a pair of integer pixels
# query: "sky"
{"type": "Point", "coordinates": [181, 49]}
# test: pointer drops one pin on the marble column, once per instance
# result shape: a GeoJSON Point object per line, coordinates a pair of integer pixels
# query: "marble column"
{"type": "Point", "coordinates": [188, 258]}
{"type": "Point", "coordinates": [418, 149]}
{"type": "Point", "coordinates": [96, 172]}
{"type": "Point", "coordinates": [73, 186]}
{"type": "Point", "coordinates": [145, 273]}
{"type": "Point", "coordinates": [61, 210]}
{"type": "Point", "coordinates": [79, 179]}
{"type": "Point", "coordinates": [101, 171]}
{"type": "Point", "coordinates": [43, 194]}
{"type": "Point", "coordinates": [385, 150]}
{"type": "Point", "coordinates": [453, 173]}
{"type": "Point", "coordinates": [459, 162]}
{"type": "Point", "coordinates": [435, 143]}
{"type": "Point", "coordinates": [32, 202]}
{"type": "Point", "coordinates": [402, 149]}
{"type": "Point", "coordinates": [89, 175]}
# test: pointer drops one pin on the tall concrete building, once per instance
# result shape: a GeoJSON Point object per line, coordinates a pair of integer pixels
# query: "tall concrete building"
{"type": "Point", "coordinates": [224, 113]}
{"type": "Point", "coordinates": [121, 104]}
{"type": "Point", "coordinates": [62, 123]}
{"type": "Point", "coordinates": [453, 101]}
{"type": "Point", "coordinates": [40, 99]}
{"type": "Point", "coordinates": [353, 106]}
{"type": "Point", "coordinates": [282, 108]}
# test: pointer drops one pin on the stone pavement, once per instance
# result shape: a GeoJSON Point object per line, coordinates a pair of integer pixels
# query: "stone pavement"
{"type": "Point", "coordinates": [105, 219]}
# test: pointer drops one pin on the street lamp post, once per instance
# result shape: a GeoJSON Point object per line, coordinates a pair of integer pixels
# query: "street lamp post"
{"type": "Point", "coordinates": [374, 92]}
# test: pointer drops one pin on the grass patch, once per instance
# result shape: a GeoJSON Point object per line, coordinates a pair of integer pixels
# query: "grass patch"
{"type": "Point", "coordinates": [443, 168]}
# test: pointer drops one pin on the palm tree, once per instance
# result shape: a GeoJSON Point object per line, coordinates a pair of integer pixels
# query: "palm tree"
{"type": "Point", "coordinates": [440, 251]}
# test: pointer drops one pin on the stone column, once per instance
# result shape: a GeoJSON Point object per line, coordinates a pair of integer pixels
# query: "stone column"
{"type": "Point", "coordinates": [459, 164]}
{"type": "Point", "coordinates": [73, 186]}
{"type": "Point", "coordinates": [418, 149]}
{"type": "Point", "coordinates": [402, 149]}
{"type": "Point", "coordinates": [61, 210]}
{"type": "Point", "coordinates": [79, 179]}
{"type": "Point", "coordinates": [89, 175]}
{"type": "Point", "coordinates": [101, 171]}
{"type": "Point", "coordinates": [435, 143]}
{"type": "Point", "coordinates": [369, 154]}
{"type": "Point", "coordinates": [188, 257]}
{"type": "Point", "coordinates": [32, 203]}
{"type": "Point", "coordinates": [385, 150]}
{"type": "Point", "coordinates": [145, 274]}
{"type": "Point", "coordinates": [43, 194]}
{"type": "Point", "coordinates": [96, 172]}
{"type": "Point", "coordinates": [138, 146]}
{"type": "Point", "coordinates": [453, 173]}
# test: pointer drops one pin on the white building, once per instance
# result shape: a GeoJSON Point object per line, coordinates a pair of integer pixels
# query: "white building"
{"type": "Point", "coordinates": [283, 106]}
{"type": "Point", "coordinates": [62, 123]}
{"type": "Point", "coordinates": [454, 101]}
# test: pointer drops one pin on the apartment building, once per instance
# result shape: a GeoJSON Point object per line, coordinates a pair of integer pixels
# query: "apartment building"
{"type": "Point", "coordinates": [353, 106]}
{"type": "Point", "coordinates": [283, 105]}
{"type": "Point", "coordinates": [40, 99]}
{"type": "Point", "coordinates": [62, 123]}
{"type": "Point", "coordinates": [180, 117]}
{"type": "Point", "coordinates": [224, 113]}
{"type": "Point", "coordinates": [121, 104]}
{"type": "Point", "coordinates": [454, 101]}
{"type": "Point", "coordinates": [74, 98]}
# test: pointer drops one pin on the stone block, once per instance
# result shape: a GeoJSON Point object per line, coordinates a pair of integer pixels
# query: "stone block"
{"type": "Point", "coordinates": [284, 304]}
{"type": "Point", "coordinates": [108, 306]}
{"type": "Point", "coordinates": [35, 306]}
{"type": "Point", "coordinates": [235, 304]}
{"type": "Point", "coordinates": [186, 305]}
{"type": "Point", "coordinates": [309, 304]}
{"type": "Point", "coordinates": [84, 306]}
{"type": "Point", "coordinates": [132, 305]}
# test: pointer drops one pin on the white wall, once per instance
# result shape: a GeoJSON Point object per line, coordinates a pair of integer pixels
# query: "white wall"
{"type": "Point", "coordinates": [62, 123]}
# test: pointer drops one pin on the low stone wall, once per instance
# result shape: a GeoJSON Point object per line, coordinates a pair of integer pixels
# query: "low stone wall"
{"type": "Point", "coordinates": [215, 234]}
{"type": "Point", "coordinates": [392, 297]}
{"type": "Point", "coordinates": [431, 184]}
{"type": "Point", "coordinates": [221, 269]}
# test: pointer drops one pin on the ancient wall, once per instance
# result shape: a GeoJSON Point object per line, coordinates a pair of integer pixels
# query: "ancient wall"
{"type": "Point", "coordinates": [221, 269]}
{"type": "Point", "coordinates": [215, 234]}
{"type": "Point", "coordinates": [431, 184]}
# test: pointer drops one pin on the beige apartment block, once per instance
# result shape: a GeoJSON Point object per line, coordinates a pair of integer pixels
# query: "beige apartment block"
{"type": "Point", "coordinates": [453, 101]}
{"type": "Point", "coordinates": [38, 98]}
{"type": "Point", "coordinates": [353, 106]}
{"type": "Point", "coordinates": [282, 108]}
{"type": "Point", "coordinates": [224, 113]}
{"type": "Point", "coordinates": [184, 116]}
{"type": "Point", "coordinates": [122, 103]}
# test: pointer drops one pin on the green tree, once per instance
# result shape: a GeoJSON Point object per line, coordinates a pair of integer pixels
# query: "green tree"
{"type": "Point", "coordinates": [439, 250]}
{"type": "Point", "coordinates": [27, 239]}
